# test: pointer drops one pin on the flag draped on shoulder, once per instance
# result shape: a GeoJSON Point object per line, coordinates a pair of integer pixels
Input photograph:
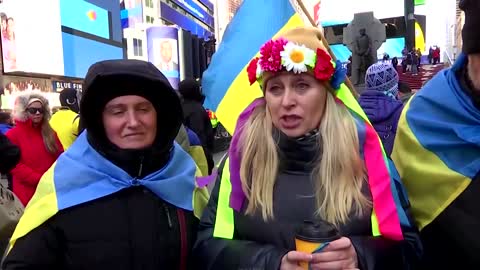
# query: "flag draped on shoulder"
{"type": "Point", "coordinates": [437, 147]}
{"type": "Point", "coordinates": [81, 175]}
{"type": "Point", "coordinates": [225, 82]}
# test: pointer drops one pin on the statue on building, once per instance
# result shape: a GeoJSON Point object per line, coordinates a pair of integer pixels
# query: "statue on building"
{"type": "Point", "coordinates": [363, 36]}
{"type": "Point", "coordinates": [363, 49]}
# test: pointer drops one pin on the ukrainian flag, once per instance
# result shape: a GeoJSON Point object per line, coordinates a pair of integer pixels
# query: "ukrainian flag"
{"type": "Point", "coordinates": [82, 175]}
{"type": "Point", "coordinates": [225, 82]}
{"type": "Point", "coordinates": [437, 146]}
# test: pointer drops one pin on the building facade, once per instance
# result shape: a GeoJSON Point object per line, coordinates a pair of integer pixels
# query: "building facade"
{"type": "Point", "coordinates": [172, 34]}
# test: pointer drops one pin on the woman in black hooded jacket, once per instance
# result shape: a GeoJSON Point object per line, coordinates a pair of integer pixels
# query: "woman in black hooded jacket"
{"type": "Point", "coordinates": [124, 195]}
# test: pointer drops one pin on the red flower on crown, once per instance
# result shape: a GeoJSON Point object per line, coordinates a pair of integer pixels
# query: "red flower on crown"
{"type": "Point", "coordinates": [252, 70]}
{"type": "Point", "coordinates": [270, 59]}
{"type": "Point", "coordinates": [324, 69]}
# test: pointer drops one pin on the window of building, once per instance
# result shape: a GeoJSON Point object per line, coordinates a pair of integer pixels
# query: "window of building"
{"type": "Point", "coordinates": [149, 3]}
{"type": "Point", "coordinates": [137, 47]}
{"type": "Point", "coordinates": [150, 19]}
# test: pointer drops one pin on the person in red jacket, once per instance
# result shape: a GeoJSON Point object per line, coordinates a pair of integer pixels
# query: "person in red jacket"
{"type": "Point", "coordinates": [38, 143]}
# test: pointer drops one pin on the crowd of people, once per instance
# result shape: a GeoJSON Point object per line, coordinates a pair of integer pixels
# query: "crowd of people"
{"type": "Point", "coordinates": [117, 178]}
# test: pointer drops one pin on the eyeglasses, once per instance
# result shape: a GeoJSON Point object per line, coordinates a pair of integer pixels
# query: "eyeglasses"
{"type": "Point", "coordinates": [35, 110]}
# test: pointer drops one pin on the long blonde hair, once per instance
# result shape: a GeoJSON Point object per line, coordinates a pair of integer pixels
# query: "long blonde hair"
{"type": "Point", "coordinates": [338, 176]}
{"type": "Point", "coordinates": [20, 114]}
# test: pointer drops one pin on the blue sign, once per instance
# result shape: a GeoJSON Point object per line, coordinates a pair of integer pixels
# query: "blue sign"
{"type": "Point", "coordinates": [184, 22]}
{"type": "Point", "coordinates": [207, 3]}
{"type": "Point", "coordinates": [86, 17]}
{"type": "Point", "coordinates": [196, 11]}
{"type": "Point", "coordinates": [59, 86]}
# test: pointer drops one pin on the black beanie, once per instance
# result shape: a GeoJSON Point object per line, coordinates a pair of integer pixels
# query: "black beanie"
{"type": "Point", "coordinates": [471, 32]}
{"type": "Point", "coordinates": [68, 98]}
{"type": "Point", "coordinates": [190, 90]}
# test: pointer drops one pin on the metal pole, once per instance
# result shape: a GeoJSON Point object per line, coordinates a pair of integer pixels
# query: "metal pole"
{"type": "Point", "coordinates": [410, 24]}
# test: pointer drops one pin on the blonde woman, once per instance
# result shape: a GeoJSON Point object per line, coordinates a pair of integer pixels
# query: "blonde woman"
{"type": "Point", "coordinates": [38, 142]}
{"type": "Point", "coordinates": [304, 151]}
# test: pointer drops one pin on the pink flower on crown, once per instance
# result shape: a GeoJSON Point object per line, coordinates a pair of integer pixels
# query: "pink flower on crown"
{"type": "Point", "coordinates": [252, 70]}
{"type": "Point", "coordinates": [270, 59]}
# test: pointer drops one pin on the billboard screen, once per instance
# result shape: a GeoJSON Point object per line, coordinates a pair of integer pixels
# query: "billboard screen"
{"type": "Point", "coordinates": [77, 52]}
{"type": "Point", "coordinates": [91, 32]}
{"type": "Point", "coordinates": [196, 11]}
{"type": "Point", "coordinates": [162, 44]}
{"type": "Point", "coordinates": [31, 36]}
{"type": "Point", "coordinates": [86, 17]}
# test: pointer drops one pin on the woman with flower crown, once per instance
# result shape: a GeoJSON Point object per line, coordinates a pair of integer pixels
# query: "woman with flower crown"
{"type": "Point", "coordinates": [304, 151]}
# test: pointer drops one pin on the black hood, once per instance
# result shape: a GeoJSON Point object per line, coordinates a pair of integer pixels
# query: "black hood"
{"type": "Point", "coordinates": [107, 80]}
{"type": "Point", "coordinates": [470, 32]}
{"type": "Point", "coordinates": [190, 90]}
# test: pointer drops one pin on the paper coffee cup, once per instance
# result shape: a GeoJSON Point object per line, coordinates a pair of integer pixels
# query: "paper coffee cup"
{"type": "Point", "coordinates": [313, 234]}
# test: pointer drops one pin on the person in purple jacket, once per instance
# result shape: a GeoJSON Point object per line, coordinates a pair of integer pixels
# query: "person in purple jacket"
{"type": "Point", "coordinates": [380, 103]}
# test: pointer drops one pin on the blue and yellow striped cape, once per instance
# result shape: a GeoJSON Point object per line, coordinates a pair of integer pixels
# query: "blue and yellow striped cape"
{"type": "Point", "coordinates": [81, 175]}
{"type": "Point", "coordinates": [437, 146]}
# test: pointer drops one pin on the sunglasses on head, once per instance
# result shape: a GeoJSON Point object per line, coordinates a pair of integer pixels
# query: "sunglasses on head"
{"type": "Point", "coordinates": [35, 110]}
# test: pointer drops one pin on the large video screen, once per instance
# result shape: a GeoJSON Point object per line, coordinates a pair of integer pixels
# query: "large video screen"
{"type": "Point", "coordinates": [78, 54]}
{"type": "Point", "coordinates": [86, 17]}
{"type": "Point", "coordinates": [31, 36]}
{"type": "Point", "coordinates": [91, 32]}
{"type": "Point", "coordinates": [333, 12]}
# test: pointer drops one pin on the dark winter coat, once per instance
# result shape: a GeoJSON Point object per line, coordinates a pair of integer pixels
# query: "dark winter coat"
{"type": "Point", "coordinates": [458, 224]}
{"type": "Point", "coordinates": [9, 154]}
{"type": "Point", "coordinates": [258, 244]}
{"type": "Point", "coordinates": [196, 117]}
{"type": "Point", "coordinates": [129, 230]}
{"type": "Point", "coordinates": [383, 112]}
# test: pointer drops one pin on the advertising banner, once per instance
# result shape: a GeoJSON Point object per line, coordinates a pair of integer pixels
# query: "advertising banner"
{"type": "Point", "coordinates": [31, 36]}
{"type": "Point", "coordinates": [162, 44]}
{"type": "Point", "coordinates": [183, 21]}
{"type": "Point", "coordinates": [14, 86]}
{"type": "Point", "coordinates": [196, 11]}
{"type": "Point", "coordinates": [58, 86]}
{"type": "Point", "coordinates": [131, 13]}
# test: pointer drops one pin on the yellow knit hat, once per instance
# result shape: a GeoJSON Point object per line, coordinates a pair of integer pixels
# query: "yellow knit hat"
{"type": "Point", "coordinates": [311, 37]}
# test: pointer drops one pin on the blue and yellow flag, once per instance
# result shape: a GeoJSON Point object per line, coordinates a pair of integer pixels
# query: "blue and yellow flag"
{"type": "Point", "coordinates": [225, 82]}
{"type": "Point", "coordinates": [81, 175]}
{"type": "Point", "coordinates": [437, 146]}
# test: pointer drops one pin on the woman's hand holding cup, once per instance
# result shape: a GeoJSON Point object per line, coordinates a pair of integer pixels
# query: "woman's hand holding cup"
{"type": "Point", "coordinates": [339, 254]}
{"type": "Point", "coordinates": [292, 259]}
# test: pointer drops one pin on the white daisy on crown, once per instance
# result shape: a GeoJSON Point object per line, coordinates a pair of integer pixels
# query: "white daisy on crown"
{"type": "Point", "coordinates": [281, 54]}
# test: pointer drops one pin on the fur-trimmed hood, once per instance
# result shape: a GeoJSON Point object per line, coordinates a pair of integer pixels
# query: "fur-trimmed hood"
{"type": "Point", "coordinates": [21, 102]}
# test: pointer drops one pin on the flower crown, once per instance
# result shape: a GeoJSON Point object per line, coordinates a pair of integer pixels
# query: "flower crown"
{"type": "Point", "coordinates": [281, 54]}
